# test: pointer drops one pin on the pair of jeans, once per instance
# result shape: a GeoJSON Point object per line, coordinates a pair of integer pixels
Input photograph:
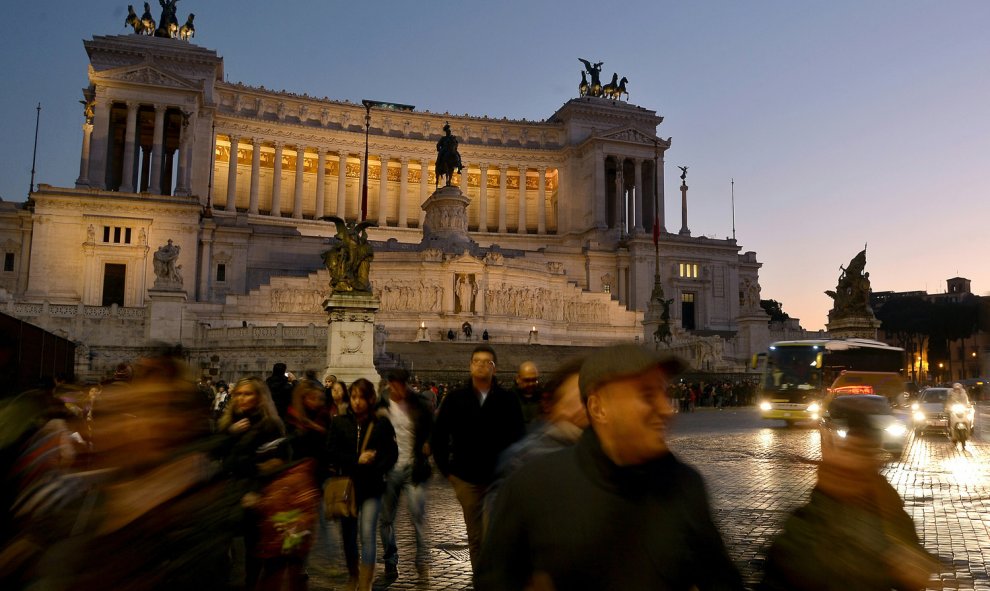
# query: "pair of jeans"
{"type": "Point", "coordinates": [472, 500]}
{"type": "Point", "coordinates": [364, 526]}
{"type": "Point", "coordinates": [397, 482]}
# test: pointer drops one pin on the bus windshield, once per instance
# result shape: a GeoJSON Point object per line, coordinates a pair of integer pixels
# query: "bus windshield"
{"type": "Point", "coordinates": [792, 368]}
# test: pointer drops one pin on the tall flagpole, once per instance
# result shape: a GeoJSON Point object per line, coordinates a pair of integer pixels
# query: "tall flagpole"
{"type": "Point", "coordinates": [34, 156]}
{"type": "Point", "coordinates": [733, 181]}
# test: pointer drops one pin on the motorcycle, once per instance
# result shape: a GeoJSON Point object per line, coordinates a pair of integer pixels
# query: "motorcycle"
{"type": "Point", "coordinates": [961, 423]}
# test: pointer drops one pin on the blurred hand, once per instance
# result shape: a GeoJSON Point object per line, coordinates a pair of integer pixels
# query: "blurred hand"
{"type": "Point", "coordinates": [250, 500]}
{"type": "Point", "coordinates": [367, 457]}
{"type": "Point", "coordinates": [240, 426]}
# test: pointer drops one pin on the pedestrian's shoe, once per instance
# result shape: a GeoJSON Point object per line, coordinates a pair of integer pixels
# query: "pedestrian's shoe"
{"type": "Point", "coordinates": [390, 575]}
{"type": "Point", "coordinates": [366, 572]}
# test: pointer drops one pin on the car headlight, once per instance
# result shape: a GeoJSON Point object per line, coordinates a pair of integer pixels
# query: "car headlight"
{"type": "Point", "coordinates": [919, 416]}
{"type": "Point", "coordinates": [841, 432]}
{"type": "Point", "coordinates": [914, 406]}
{"type": "Point", "coordinates": [814, 407]}
{"type": "Point", "coordinates": [896, 429]}
{"type": "Point", "coordinates": [765, 406]}
{"type": "Point", "coordinates": [958, 407]}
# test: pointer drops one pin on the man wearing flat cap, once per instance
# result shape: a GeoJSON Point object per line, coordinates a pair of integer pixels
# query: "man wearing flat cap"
{"type": "Point", "coordinates": [616, 511]}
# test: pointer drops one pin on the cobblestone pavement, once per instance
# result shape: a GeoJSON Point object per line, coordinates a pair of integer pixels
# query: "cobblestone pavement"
{"type": "Point", "coordinates": [755, 477]}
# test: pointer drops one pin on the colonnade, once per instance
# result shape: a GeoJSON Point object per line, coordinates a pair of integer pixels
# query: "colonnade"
{"type": "Point", "coordinates": [492, 209]}
{"type": "Point", "coordinates": [136, 166]}
{"type": "Point", "coordinates": [625, 193]}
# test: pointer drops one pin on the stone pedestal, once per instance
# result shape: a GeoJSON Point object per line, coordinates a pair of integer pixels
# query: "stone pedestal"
{"type": "Point", "coordinates": [753, 332]}
{"type": "Point", "coordinates": [422, 334]}
{"type": "Point", "coordinates": [853, 327]}
{"type": "Point", "coordinates": [165, 309]}
{"type": "Point", "coordinates": [445, 225]}
{"type": "Point", "coordinates": [351, 336]}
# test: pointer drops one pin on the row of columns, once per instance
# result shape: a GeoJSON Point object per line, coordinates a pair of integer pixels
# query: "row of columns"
{"type": "Point", "coordinates": [403, 201]}
{"type": "Point", "coordinates": [96, 137]}
{"type": "Point", "coordinates": [638, 207]}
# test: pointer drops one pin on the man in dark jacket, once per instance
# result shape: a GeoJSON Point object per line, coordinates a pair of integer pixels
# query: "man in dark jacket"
{"type": "Point", "coordinates": [281, 389]}
{"type": "Point", "coordinates": [475, 424]}
{"type": "Point", "coordinates": [616, 511]}
{"type": "Point", "coordinates": [412, 418]}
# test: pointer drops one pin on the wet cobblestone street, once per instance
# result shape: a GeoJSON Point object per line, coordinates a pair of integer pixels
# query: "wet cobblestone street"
{"type": "Point", "coordinates": [755, 477]}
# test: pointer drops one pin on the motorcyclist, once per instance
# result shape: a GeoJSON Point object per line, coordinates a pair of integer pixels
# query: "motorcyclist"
{"type": "Point", "coordinates": [957, 395]}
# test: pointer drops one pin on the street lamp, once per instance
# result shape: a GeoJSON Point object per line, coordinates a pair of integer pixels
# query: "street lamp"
{"type": "Point", "coordinates": [368, 104]}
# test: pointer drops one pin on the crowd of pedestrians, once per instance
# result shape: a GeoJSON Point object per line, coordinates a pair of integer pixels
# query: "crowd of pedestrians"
{"type": "Point", "coordinates": [158, 481]}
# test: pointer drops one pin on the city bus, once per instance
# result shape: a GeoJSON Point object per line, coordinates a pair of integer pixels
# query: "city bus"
{"type": "Point", "coordinates": [797, 374]}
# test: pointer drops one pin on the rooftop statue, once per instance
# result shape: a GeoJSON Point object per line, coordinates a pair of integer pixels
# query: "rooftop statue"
{"type": "Point", "coordinates": [188, 31]}
{"type": "Point", "coordinates": [147, 22]}
{"type": "Point", "coordinates": [349, 257]}
{"type": "Point", "coordinates": [593, 70]}
{"type": "Point", "coordinates": [852, 294]}
{"type": "Point", "coordinates": [168, 24]}
{"type": "Point", "coordinates": [683, 172]}
{"type": "Point", "coordinates": [448, 159]}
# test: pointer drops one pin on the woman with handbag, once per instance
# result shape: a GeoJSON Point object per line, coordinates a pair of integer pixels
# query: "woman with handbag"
{"type": "Point", "coordinates": [361, 447]}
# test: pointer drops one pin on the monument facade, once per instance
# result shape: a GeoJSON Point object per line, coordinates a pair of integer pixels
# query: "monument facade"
{"type": "Point", "coordinates": [222, 203]}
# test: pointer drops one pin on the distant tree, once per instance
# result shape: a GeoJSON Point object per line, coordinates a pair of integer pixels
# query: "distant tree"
{"type": "Point", "coordinates": [774, 310]}
{"type": "Point", "coordinates": [908, 323]}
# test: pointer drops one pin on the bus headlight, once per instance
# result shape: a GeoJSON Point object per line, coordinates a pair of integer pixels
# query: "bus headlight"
{"type": "Point", "coordinates": [841, 432]}
{"type": "Point", "coordinates": [919, 417]}
{"type": "Point", "coordinates": [766, 406]}
{"type": "Point", "coordinates": [896, 429]}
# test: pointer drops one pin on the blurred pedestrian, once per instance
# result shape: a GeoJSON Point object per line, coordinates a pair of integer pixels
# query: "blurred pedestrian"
{"type": "Point", "coordinates": [616, 511]}
{"type": "Point", "coordinates": [475, 424]}
{"type": "Point", "coordinates": [529, 392]}
{"type": "Point", "coordinates": [280, 387]}
{"type": "Point", "coordinates": [412, 418]}
{"type": "Point", "coordinates": [566, 420]}
{"type": "Point", "coordinates": [853, 533]}
{"type": "Point", "coordinates": [250, 423]}
{"type": "Point", "coordinates": [362, 446]}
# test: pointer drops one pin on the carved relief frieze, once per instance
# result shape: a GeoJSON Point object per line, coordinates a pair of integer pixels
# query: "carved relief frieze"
{"type": "Point", "coordinates": [410, 295]}
{"type": "Point", "coordinates": [494, 258]}
{"type": "Point", "coordinates": [297, 300]}
{"type": "Point", "coordinates": [146, 76]}
{"type": "Point", "coordinates": [540, 303]}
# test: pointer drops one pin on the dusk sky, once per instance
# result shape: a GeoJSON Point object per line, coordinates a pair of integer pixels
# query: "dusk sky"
{"type": "Point", "coordinates": [842, 122]}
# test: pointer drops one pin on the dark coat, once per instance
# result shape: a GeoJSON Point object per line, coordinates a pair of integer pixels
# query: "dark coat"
{"type": "Point", "coordinates": [421, 415]}
{"type": "Point", "coordinates": [239, 453]}
{"type": "Point", "coordinates": [344, 441]}
{"type": "Point", "coordinates": [587, 523]}
{"type": "Point", "coordinates": [468, 436]}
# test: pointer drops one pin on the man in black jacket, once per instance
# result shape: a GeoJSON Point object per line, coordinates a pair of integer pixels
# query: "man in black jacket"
{"type": "Point", "coordinates": [281, 389]}
{"type": "Point", "coordinates": [475, 424]}
{"type": "Point", "coordinates": [616, 511]}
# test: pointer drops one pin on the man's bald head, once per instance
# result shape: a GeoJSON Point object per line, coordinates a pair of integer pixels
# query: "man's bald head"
{"type": "Point", "coordinates": [528, 377]}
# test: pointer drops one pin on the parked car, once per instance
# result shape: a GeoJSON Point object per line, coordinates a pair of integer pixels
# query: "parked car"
{"type": "Point", "coordinates": [843, 401]}
{"type": "Point", "coordinates": [928, 411]}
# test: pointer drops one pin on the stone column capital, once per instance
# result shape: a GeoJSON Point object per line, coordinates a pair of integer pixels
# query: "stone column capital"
{"type": "Point", "coordinates": [404, 160]}
{"type": "Point", "coordinates": [279, 144]}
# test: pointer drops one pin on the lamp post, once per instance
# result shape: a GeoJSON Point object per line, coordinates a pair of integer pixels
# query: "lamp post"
{"type": "Point", "coordinates": [368, 104]}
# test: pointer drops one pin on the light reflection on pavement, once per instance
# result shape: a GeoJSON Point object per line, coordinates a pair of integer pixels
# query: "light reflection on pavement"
{"type": "Point", "coordinates": [757, 472]}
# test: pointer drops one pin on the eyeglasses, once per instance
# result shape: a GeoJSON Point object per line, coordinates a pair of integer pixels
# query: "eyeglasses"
{"type": "Point", "coordinates": [482, 362]}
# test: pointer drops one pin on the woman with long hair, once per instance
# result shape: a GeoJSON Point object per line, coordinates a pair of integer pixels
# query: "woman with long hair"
{"type": "Point", "coordinates": [338, 398]}
{"type": "Point", "coordinates": [250, 423]}
{"type": "Point", "coordinates": [362, 445]}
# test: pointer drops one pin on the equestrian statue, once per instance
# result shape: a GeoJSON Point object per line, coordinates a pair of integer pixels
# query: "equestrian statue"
{"type": "Point", "coordinates": [448, 159]}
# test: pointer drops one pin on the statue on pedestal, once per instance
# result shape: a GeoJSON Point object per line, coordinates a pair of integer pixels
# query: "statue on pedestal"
{"type": "Point", "coordinates": [448, 158]}
{"type": "Point", "coordinates": [349, 257]}
{"type": "Point", "coordinates": [166, 271]}
{"type": "Point", "coordinates": [852, 293]}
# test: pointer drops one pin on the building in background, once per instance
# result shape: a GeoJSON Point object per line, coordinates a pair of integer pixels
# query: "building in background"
{"type": "Point", "coordinates": [197, 218]}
